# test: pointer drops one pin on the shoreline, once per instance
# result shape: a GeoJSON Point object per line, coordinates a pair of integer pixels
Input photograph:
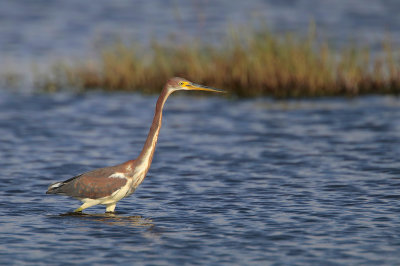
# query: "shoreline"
{"type": "Point", "coordinates": [254, 63]}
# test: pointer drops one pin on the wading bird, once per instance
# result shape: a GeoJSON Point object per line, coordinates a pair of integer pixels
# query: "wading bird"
{"type": "Point", "coordinates": [106, 186]}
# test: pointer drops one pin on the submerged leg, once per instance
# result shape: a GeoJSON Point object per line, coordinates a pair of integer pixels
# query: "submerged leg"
{"type": "Point", "coordinates": [111, 207]}
{"type": "Point", "coordinates": [87, 204]}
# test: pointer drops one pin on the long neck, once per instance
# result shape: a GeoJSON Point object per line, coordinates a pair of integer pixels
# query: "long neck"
{"type": "Point", "coordinates": [146, 156]}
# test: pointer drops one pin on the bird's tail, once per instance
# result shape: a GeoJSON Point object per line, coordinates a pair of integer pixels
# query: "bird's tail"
{"type": "Point", "coordinates": [53, 188]}
{"type": "Point", "coordinates": [57, 187]}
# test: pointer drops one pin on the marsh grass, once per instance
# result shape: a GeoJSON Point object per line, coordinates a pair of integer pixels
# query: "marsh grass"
{"type": "Point", "coordinates": [246, 63]}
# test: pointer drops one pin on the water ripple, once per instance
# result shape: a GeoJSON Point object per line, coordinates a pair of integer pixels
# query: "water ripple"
{"type": "Point", "coordinates": [232, 182]}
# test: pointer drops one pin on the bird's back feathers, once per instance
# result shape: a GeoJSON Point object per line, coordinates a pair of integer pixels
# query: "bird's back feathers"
{"type": "Point", "coordinates": [95, 184]}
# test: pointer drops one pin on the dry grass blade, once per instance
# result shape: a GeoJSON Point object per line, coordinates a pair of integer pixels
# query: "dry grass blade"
{"type": "Point", "coordinates": [256, 64]}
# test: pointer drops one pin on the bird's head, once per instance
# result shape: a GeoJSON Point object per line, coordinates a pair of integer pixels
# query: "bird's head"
{"type": "Point", "coordinates": [176, 84]}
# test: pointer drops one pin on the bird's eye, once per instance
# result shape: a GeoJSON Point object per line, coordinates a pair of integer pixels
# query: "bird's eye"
{"type": "Point", "coordinates": [180, 83]}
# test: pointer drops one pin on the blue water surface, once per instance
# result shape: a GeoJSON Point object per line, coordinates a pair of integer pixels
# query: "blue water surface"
{"type": "Point", "coordinates": [249, 182]}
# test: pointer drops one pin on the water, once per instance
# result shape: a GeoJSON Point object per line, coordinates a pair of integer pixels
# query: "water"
{"type": "Point", "coordinates": [34, 31]}
{"type": "Point", "coordinates": [250, 182]}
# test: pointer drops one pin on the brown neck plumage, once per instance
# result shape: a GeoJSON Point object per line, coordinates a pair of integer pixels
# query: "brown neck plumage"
{"type": "Point", "coordinates": [146, 156]}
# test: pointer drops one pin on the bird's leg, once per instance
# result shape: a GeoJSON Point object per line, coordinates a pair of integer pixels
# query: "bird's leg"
{"type": "Point", "coordinates": [111, 207]}
{"type": "Point", "coordinates": [80, 209]}
{"type": "Point", "coordinates": [86, 205]}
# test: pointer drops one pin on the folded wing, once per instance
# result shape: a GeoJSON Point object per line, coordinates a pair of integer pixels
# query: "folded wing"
{"type": "Point", "coordinates": [93, 185]}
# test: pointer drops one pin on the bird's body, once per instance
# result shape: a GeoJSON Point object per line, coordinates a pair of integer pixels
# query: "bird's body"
{"type": "Point", "coordinates": [108, 185]}
{"type": "Point", "coordinates": [103, 186]}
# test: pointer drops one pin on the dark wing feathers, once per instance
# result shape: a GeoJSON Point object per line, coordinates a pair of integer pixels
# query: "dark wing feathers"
{"type": "Point", "coordinates": [94, 184]}
{"type": "Point", "coordinates": [92, 187]}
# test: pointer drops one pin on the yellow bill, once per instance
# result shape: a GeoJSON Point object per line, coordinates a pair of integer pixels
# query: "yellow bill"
{"type": "Point", "coordinates": [198, 87]}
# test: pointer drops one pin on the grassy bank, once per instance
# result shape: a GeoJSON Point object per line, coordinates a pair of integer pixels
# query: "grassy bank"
{"type": "Point", "coordinates": [257, 63]}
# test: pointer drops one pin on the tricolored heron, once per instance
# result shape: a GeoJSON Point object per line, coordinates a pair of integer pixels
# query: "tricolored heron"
{"type": "Point", "coordinates": [106, 186]}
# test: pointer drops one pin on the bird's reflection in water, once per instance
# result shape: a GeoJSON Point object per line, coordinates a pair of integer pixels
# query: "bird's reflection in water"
{"type": "Point", "coordinates": [114, 219]}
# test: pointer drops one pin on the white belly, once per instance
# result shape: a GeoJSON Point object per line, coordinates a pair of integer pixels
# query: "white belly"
{"type": "Point", "coordinates": [117, 195]}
